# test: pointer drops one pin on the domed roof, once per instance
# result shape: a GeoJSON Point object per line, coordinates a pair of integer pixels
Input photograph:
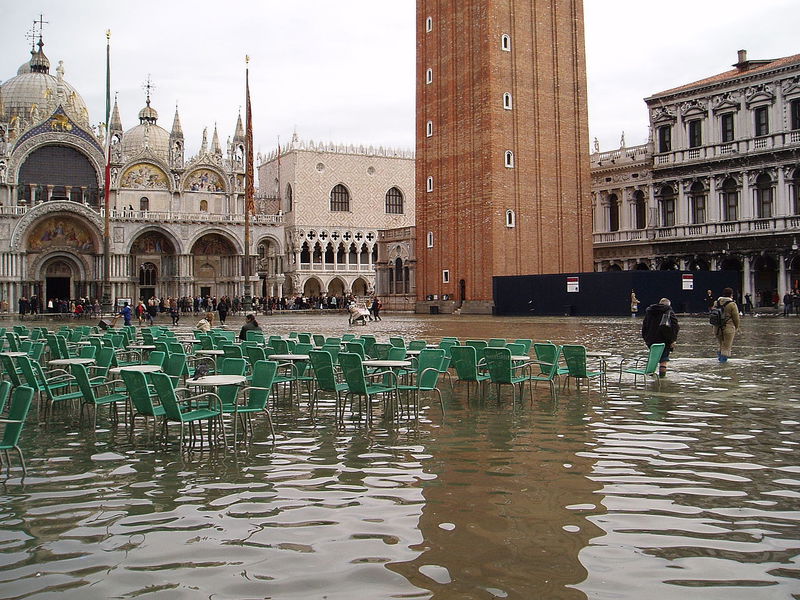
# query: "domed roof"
{"type": "Point", "coordinates": [34, 91]}
{"type": "Point", "coordinates": [148, 113]}
{"type": "Point", "coordinates": [146, 135]}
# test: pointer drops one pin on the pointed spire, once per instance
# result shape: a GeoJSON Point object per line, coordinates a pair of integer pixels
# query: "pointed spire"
{"type": "Point", "coordinates": [215, 147]}
{"type": "Point", "coordinates": [116, 122]}
{"type": "Point", "coordinates": [204, 143]}
{"type": "Point", "coordinates": [238, 135]}
{"type": "Point", "coordinates": [177, 130]}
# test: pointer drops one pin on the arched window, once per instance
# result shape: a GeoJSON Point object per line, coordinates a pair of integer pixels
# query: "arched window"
{"type": "Point", "coordinates": [697, 203]}
{"type": "Point", "coordinates": [507, 104]}
{"type": "Point", "coordinates": [511, 219]}
{"type": "Point", "coordinates": [794, 187]}
{"type": "Point", "coordinates": [394, 202]}
{"type": "Point", "coordinates": [144, 204]}
{"type": "Point", "coordinates": [203, 205]}
{"type": "Point", "coordinates": [429, 76]}
{"type": "Point", "coordinates": [398, 276]}
{"type": "Point", "coordinates": [430, 239]}
{"type": "Point", "coordinates": [147, 275]}
{"type": "Point", "coordinates": [429, 129]}
{"type": "Point", "coordinates": [429, 184]}
{"type": "Point", "coordinates": [289, 197]}
{"type": "Point", "coordinates": [509, 159]}
{"type": "Point", "coordinates": [613, 213]}
{"type": "Point", "coordinates": [764, 196]}
{"type": "Point", "coordinates": [428, 24]}
{"type": "Point", "coordinates": [730, 200]}
{"type": "Point", "coordinates": [640, 207]}
{"type": "Point", "coordinates": [667, 207]}
{"type": "Point", "coordinates": [340, 199]}
{"type": "Point", "coordinates": [505, 42]}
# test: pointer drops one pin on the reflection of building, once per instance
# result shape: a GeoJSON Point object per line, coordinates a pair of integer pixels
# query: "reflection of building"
{"type": "Point", "coordinates": [335, 200]}
{"type": "Point", "coordinates": [176, 224]}
{"type": "Point", "coordinates": [717, 187]}
{"type": "Point", "coordinates": [502, 139]}
{"type": "Point", "coordinates": [396, 269]}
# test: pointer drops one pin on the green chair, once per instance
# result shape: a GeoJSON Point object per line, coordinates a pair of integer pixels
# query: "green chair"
{"type": "Point", "coordinates": [229, 394]}
{"type": "Point", "coordinates": [319, 340]}
{"type": "Point", "coordinates": [92, 398]}
{"type": "Point", "coordinates": [11, 370]}
{"type": "Point", "coordinates": [17, 414]}
{"type": "Point", "coordinates": [142, 397]}
{"type": "Point", "coordinates": [179, 409]}
{"type": "Point", "coordinates": [548, 353]}
{"type": "Point", "coordinates": [369, 343]}
{"type": "Point", "coordinates": [175, 367]}
{"type": "Point", "coordinates": [465, 362]}
{"type": "Point", "coordinates": [397, 342]}
{"type": "Point", "coordinates": [333, 350]}
{"type": "Point", "coordinates": [575, 358]}
{"type": "Point", "coordinates": [526, 343]}
{"type": "Point", "coordinates": [380, 351]}
{"type": "Point", "coordinates": [479, 346]}
{"type": "Point", "coordinates": [257, 395]}
{"type": "Point", "coordinates": [232, 351]}
{"type": "Point", "coordinates": [497, 343]}
{"type": "Point", "coordinates": [547, 372]}
{"type": "Point", "coordinates": [51, 388]}
{"type": "Point", "coordinates": [416, 345]}
{"type": "Point", "coordinates": [303, 338]}
{"type": "Point", "coordinates": [650, 365]}
{"type": "Point", "coordinates": [5, 392]}
{"type": "Point", "coordinates": [502, 371]}
{"type": "Point", "coordinates": [357, 384]}
{"type": "Point", "coordinates": [355, 348]}
{"type": "Point", "coordinates": [157, 358]}
{"type": "Point", "coordinates": [347, 337]}
{"type": "Point", "coordinates": [36, 351]}
{"type": "Point", "coordinates": [325, 376]}
{"type": "Point", "coordinates": [103, 361]}
{"type": "Point", "coordinates": [255, 336]}
{"type": "Point", "coordinates": [429, 366]}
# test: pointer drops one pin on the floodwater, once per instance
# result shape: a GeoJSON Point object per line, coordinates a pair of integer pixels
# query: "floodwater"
{"type": "Point", "coordinates": [690, 489]}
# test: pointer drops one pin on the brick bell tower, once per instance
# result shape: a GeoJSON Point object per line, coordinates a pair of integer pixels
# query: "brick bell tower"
{"type": "Point", "coordinates": [502, 152]}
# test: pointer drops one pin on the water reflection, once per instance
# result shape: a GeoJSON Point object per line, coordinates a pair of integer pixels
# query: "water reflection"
{"type": "Point", "coordinates": [640, 493]}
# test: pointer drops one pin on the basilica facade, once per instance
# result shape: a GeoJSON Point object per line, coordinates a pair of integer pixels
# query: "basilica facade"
{"type": "Point", "coordinates": [176, 222]}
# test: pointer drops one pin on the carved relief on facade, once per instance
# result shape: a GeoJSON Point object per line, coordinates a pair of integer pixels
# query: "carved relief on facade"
{"type": "Point", "coordinates": [146, 176]}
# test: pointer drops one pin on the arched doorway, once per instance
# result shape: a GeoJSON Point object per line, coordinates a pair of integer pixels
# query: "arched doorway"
{"type": "Point", "coordinates": [730, 263]}
{"type": "Point", "coordinates": [336, 287]}
{"type": "Point", "coordinates": [155, 263]}
{"type": "Point", "coordinates": [359, 287]}
{"type": "Point", "coordinates": [794, 273]}
{"type": "Point", "coordinates": [216, 266]}
{"type": "Point", "coordinates": [765, 279]}
{"type": "Point", "coordinates": [641, 267]}
{"type": "Point", "coordinates": [59, 277]}
{"type": "Point", "coordinates": [312, 288]}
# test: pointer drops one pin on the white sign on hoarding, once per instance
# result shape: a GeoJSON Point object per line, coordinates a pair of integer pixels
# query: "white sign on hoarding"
{"type": "Point", "coordinates": [688, 282]}
{"type": "Point", "coordinates": [573, 285]}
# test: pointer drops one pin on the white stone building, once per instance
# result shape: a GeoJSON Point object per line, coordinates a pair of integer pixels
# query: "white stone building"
{"type": "Point", "coordinates": [717, 186]}
{"type": "Point", "coordinates": [176, 224]}
{"type": "Point", "coordinates": [334, 200]}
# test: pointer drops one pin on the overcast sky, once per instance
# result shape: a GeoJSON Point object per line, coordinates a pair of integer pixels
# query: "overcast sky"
{"type": "Point", "coordinates": [343, 70]}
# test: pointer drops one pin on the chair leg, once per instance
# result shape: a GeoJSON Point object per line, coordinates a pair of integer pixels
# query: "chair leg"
{"type": "Point", "coordinates": [21, 460]}
{"type": "Point", "coordinates": [271, 428]}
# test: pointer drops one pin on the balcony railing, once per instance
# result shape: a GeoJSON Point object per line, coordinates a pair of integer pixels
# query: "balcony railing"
{"type": "Point", "coordinates": [703, 230]}
{"type": "Point", "coordinates": [152, 216]}
{"type": "Point", "coordinates": [339, 268]}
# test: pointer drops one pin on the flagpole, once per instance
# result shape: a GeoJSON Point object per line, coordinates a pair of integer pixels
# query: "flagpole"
{"type": "Point", "coordinates": [249, 191]}
{"type": "Point", "coordinates": [106, 302]}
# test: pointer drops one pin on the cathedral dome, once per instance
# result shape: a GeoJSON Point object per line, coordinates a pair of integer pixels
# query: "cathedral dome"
{"type": "Point", "coordinates": [34, 92]}
{"type": "Point", "coordinates": [146, 135]}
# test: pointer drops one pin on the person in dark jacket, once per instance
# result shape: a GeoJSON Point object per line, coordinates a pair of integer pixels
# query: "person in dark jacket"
{"type": "Point", "coordinates": [250, 324]}
{"type": "Point", "coordinates": [654, 333]}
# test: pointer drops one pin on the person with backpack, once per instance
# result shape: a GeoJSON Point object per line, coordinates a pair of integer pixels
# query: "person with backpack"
{"type": "Point", "coordinates": [725, 319]}
{"type": "Point", "coordinates": [660, 325]}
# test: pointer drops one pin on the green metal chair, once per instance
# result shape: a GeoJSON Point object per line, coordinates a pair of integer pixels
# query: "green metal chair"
{"type": "Point", "coordinates": [257, 396]}
{"type": "Point", "coordinates": [17, 414]}
{"type": "Point", "coordinates": [398, 342]}
{"type": "Point", "coordinates": [380, 351]}
{"type": "Point", "coordinates": [547, 372]}
{"type": "Point", "coordinates": [497, 343]}
{"type": "Point", "coordinates": [51, 388]}
{"type": "Point", "coordinates": [369, 343]}
{"type": "Point", "coordinates": [429, 366]}
{"type": "Point", "coordinates": [319, 340]}
{"type": "Point", "coordinates": [502, 371]}
{"type": "Point", "coordinates": [325, 376]}
{"type": "Point", "coordinates": [548, 353]}
{"type": "Point", "coordinates": [357, 384]}
{"type": "Point", "coordinates": [92, 398]}
{"type": "Point", "coordinates": [11, 370]}
{"type": "Point", "coordinates": [650, 365]}
{"type": "Point", "coordinates": [479, 346]}
{"type": "Point", "coordinates": [175, 367]}
{"type": "Point", "coordinates": [465, 362]}
{"type": "Point", "coordinates": [575, 358]}
{"type": "Point", "coordinates": [526, 343]}
{"type": "Point", "coordinates": [142, 397]}
{"type": "Point", "coordinates": [416, 345]}
{"type": "Point", "coordinates": [179, 409]}
{"type": "Point", "coordinates": [5, 392]}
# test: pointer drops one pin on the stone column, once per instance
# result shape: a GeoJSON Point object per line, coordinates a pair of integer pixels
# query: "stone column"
{"type": "Point", "coordinates": [747, 282]}
{"type": "Point", "coordinates": [781, 206]}
{"type": "Point", "coordinates": [783, 277]}
{"type": "Point", "coordinates": [745, 200]}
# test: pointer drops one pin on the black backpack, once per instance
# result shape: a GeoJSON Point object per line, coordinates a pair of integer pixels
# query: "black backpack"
{"type": "Point", "coordinates": [716, 316]}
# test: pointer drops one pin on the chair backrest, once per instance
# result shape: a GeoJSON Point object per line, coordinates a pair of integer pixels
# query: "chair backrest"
{"type": "Point", "coordinates": [13, 341]}
{"type": "Point", "coordinates": [303, 348]}
{"type": "Point", "coordinates": [5, 392]}
{"type": "Point", "coordinates": [355, 348]}
{"type": "Point", "coordinates": [333, 350]}
{"type": "Point", "coordinates": [232, 366]}
{"type": "Point", "coordinates": [263, 377]}
{"type": "Point", "coordinates": [138, 390]}
{"type": "Point", "coordinates": [82, 379]}
{"type": "Point", "coordinates": [18, 411]}
{"type": "Point", "coordinates": [25, 346]}
{"type": "Point", "coordinates": [157, 358]}
{"type": "Point", "coordinates": [36, 351]}
{"type": "Point", "coordinates": [516, 349]}
{"type": "Point", "coordinates": [10, 369]}
{"type": "Point", "coordinates": [479, 345]}
{"type": "Point", "coordinates": [446, 345]}
{"type": "Point", "coordinates": [304, 338]}
{"type": "Point", "coordinates": [280, 346]}
{"type": "Point", "coordinates": [346, 337]}
{"type": "Point", "coordinates": [429, 367]}
{"type": "Point", "coordinates": [526, 343]}
{"type": "Point", "coordinates": [62, 346]}
{"type": "Point", "coordinates": [397, 342]}
{"type": "Point", "coordinates": [232, 351]}
{"type": "Point", "coordinates": [322, 362]}
{"type": "Point", "coordinates": [497, 343]}
{"type": "Point", "coordinates": [166, 394]}
{"type": "Point", "coordinates": [654, 357]}
{"type": "Point", "coordinates": [417, 345]}
{"type": "Point", "coordinates": [498, 363]}
{"type": "Point", "coordinates": [546, 352]}
{"type": "Point", "coordinates": [369, 343]}
{"type": "Point", "coordinates": [575, 358]}
{"type": "Point", "coordinates": [319, 339]}
{"type": "Point", "coordinates": [396, 353]}
{"type": "Point", "coordinates": [176, 348]}
{"type": "Point", "coordinates": [175, 365]}
{"type": "Point", "coordinates": [353, 372]}
{"type": "Point", "coordinates": [465, 362]}
{"type": "Point", "coordinates": [26, 366]}
{"type": "Point", "coordinates": [254, 335]}
{"type": "Point", "coordinates": [451, 339]}
{"type": "Point", "coordinates": [87, 352]}
{"type": "Point", "coordinates": [381, 351]}
{"type": "Point", "coordinates": [162, 346]}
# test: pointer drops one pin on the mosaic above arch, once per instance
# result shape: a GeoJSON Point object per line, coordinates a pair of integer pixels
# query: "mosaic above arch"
{"type": "Point", "coordinates": [144, 176]}
{"type": "Point", "coordinates": [152, 243]}
{"type": "Point", "coordinates": [204, 180]}
{"type": "Point", "coordinates": [61, 232]}
{"type": "Point", "coordinates": [213, 244]}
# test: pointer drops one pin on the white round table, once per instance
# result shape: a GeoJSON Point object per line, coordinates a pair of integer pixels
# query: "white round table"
{"type": "Point", "coordinates": [291, 357]}
{"type": "Point", "coordinates": [141, 347]}
{"type": "Point", "coordinates": [209, 352]}
{"type": "Point", "coordinates": [65, 362]}
{"type": "Point", "coordinates": [217, 380]}
{"type": "Point", "coordinates": [14, 354]}
{"type": "Point", "coordinates": [389, 364]}
{"type": "Point", "coordinates": [138, 368]}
